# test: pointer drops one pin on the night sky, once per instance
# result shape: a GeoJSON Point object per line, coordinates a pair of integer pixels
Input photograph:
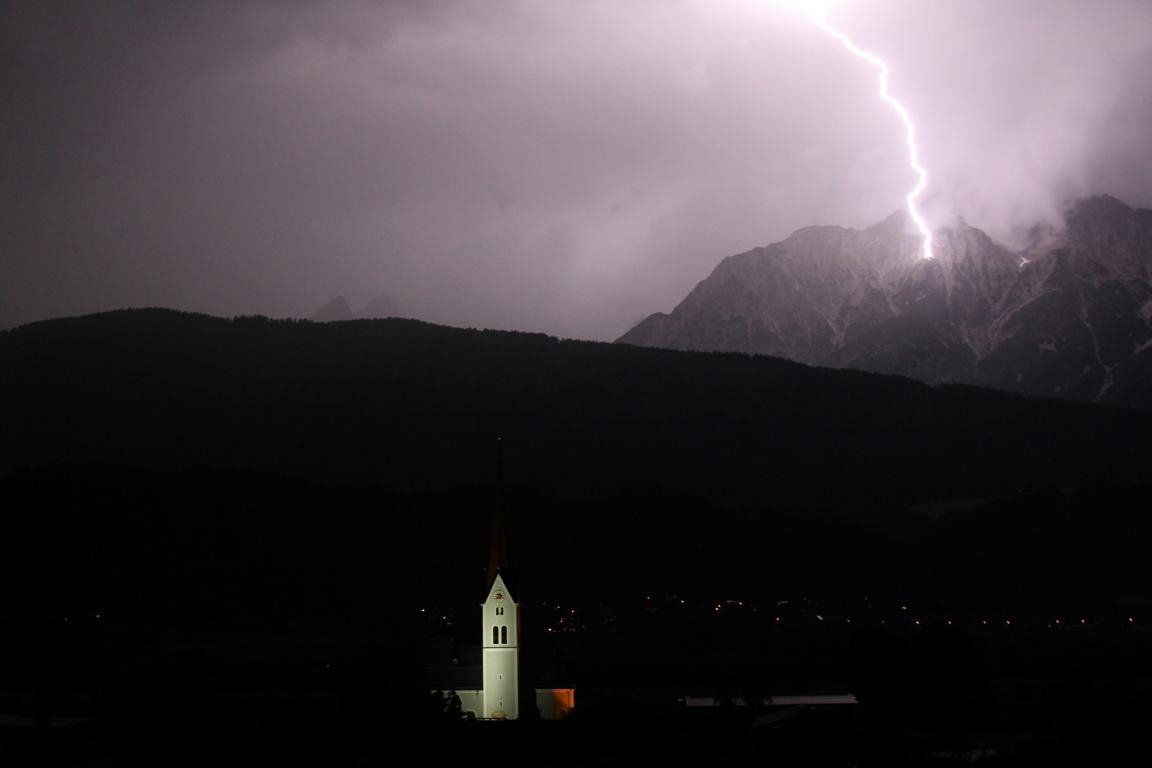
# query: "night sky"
{"type": "Point", "coordinates": [539, 165]}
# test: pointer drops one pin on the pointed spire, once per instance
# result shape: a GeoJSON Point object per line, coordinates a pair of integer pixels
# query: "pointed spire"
{"type": "Point", "coordinates": [498, 562]}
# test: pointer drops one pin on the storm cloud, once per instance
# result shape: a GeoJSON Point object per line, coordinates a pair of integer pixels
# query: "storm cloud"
{"type": "Point", "coordinates": [531, 164]}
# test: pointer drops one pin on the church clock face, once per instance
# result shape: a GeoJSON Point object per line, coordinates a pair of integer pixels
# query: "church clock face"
{"type": "Point", "coordinates": [498, 596]}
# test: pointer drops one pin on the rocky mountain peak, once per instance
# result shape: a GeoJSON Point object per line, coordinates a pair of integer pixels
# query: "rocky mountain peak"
{"type": "Point", "coordinates": [334, 311]}
{"type": "Point", "coordinates": [1113, 234]}
{"type": "Point", "coordinates": [1067, 316]}
{"type": "Point", "coordinates": [338, 309]}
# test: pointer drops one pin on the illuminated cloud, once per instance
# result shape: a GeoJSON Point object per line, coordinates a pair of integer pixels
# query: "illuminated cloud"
{"type": "Point", "coordinates": [563, 167]}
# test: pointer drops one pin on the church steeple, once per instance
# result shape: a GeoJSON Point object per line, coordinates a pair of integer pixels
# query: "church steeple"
{"type": "Point", "coordinates": [500, 617]}
{"type": "Point", "coordinates": [498, 560]}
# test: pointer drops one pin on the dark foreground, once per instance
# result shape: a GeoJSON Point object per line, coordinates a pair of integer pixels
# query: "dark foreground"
{"type": "Point", "coordinates": [224, 618]}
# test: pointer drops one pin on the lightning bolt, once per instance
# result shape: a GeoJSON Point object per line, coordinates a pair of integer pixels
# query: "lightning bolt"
{"type": "Point", "coordinates": [820, 19]}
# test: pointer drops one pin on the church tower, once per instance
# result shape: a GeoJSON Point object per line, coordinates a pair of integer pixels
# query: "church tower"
{"type": "Point", "coordinates": [500, 623]}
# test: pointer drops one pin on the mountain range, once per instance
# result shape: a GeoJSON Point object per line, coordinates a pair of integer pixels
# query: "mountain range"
{"type": "Point", "coordinates": [1067, 316]}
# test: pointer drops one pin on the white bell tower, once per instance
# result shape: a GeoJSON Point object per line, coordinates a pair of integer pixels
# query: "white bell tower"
{"type": "Point", "coordinates": [501, 653]}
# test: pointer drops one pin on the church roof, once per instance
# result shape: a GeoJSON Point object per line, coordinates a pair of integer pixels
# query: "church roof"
{"type": "Point", "coordinates": [498, 560]}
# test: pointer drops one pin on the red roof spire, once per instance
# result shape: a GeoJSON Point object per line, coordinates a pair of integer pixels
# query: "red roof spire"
{"type": "Point", "coordinates": [498, 562]}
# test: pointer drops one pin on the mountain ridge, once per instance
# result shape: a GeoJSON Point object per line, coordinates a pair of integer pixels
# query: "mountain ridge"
{"type": "Point", "coordinates": [1068, 316]}
{"type": "Point", "coordinates": [411, 405]}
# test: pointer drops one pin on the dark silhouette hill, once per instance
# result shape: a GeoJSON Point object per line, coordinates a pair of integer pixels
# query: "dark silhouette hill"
{"type": "Point", "coordinates": [409, 405]}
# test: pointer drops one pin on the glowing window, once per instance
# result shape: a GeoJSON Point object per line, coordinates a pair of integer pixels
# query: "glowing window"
{"type": "Point", "coordinates": [504, 635]}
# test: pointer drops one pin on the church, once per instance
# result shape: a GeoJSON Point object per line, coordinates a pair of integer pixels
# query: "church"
{"type": "Point", "coordinates": [491, 689]}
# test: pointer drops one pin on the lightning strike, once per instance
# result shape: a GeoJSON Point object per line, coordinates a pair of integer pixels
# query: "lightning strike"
{"type": "Point", "coordinates": [819, 18]}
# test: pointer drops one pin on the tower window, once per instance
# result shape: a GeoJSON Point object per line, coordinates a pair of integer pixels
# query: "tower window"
{"type": "Point", "coordinates": [495, 635]}
{"type": "Point", "coordinates": [500, 610]}
{"type": "Point", "coordinates": [504, 635]}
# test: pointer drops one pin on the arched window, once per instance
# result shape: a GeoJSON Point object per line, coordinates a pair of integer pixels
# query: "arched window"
{"type": "Point", "coordinates": [504, 635]}
{"type": "Point", "coordinates": [500, 610]}
{"type": "Point", "coordinates": [495, 635]}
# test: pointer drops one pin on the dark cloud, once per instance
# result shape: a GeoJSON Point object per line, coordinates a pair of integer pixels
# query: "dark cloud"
{"type": "Point", "coordinates": [566, 167]}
